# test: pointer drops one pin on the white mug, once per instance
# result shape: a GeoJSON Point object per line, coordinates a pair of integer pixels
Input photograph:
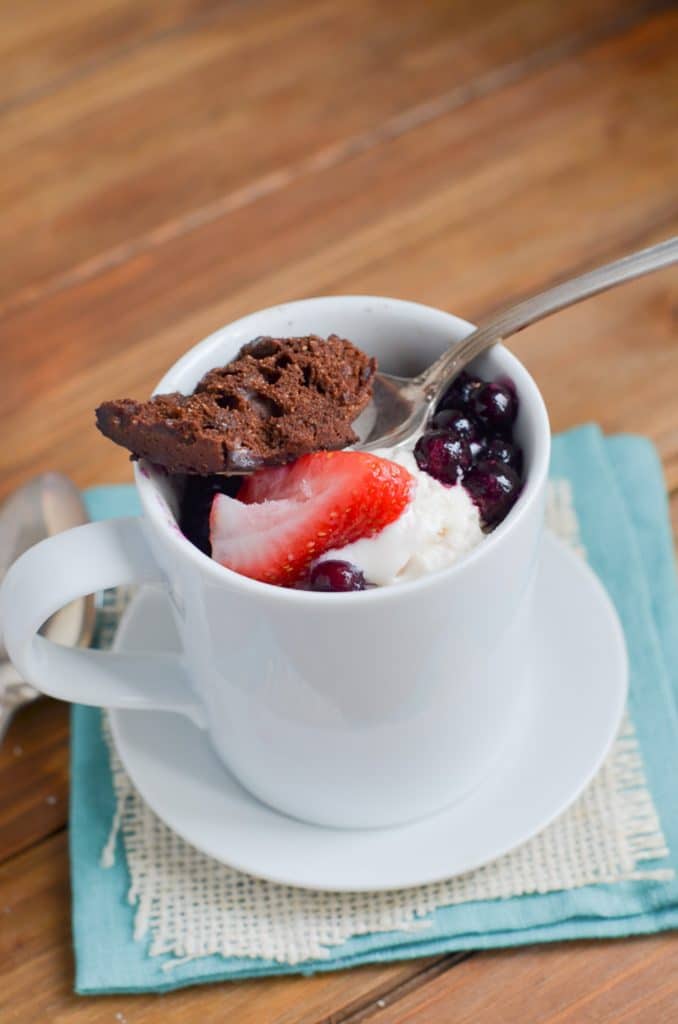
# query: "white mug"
{"type": "Point", "coordinates": [349, 710]}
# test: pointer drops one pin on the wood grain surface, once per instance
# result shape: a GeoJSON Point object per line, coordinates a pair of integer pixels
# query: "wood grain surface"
{"type": "Point", "coordinates": [168, 166]}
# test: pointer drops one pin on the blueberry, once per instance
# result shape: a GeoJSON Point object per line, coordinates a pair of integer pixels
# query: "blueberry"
{"type": "Point", "coordinates": [456, 422]}
{"type": "Point", "coordinates": [499, 450]}
{"type": "Point", "coordinates": [496, 406]}
{"type": "Point", "coordinates": [443, 456]}
{"type": "Point", "coordinates": [336, 576]}
{"type": "Point", "coordinates": [510, 384]}
{"type": "Point", "coordinates": [460, 391]}
{"type": "Point", "coordinates": [494, 488]}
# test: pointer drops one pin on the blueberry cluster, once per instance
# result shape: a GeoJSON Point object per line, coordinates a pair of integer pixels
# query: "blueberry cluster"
{"type": "Point", "coordinates": [470, 441]}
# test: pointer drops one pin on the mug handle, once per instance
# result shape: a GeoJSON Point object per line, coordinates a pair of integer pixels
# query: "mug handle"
{"type": "Point", "coordinates": [70, 565]}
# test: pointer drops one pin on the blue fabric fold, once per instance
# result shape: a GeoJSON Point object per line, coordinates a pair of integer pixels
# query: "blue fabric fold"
{"type": "Point", "coordinates": [622, 511]}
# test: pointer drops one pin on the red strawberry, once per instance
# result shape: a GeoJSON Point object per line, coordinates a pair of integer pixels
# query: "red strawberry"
{"type": "Point", "coordinates": [286, 516]}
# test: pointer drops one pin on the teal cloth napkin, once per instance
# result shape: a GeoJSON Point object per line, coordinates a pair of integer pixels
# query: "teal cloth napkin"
{"type": "Point", "coordinates": [621, 506]}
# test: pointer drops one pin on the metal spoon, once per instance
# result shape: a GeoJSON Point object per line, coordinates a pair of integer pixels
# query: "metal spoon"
{"type": "Point", "coordinates": [401, 406]}
{"type": "Point", "coordinates": [46, 505]}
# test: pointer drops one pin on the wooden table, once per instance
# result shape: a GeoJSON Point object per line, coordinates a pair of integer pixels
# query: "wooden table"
{"type": "Point", "coordinates": [170, 165]}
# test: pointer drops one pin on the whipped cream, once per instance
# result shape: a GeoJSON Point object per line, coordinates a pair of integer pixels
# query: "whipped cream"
{"type": "Point", "coordinates": [439, 525]}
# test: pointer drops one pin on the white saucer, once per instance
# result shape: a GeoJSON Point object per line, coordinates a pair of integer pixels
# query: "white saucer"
{"type": "Point", "coordinates": [579, 686]}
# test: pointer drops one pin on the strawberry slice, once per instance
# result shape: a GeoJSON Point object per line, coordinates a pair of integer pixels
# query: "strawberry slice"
{"type": "Point", "coordinates": [286, 516]}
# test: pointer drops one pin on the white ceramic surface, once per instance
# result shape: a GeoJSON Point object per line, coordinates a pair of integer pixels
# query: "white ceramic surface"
{"type": "Point", "coordinates": [577, 695]}
{"type": "Point", "coordinates": [361, 709]}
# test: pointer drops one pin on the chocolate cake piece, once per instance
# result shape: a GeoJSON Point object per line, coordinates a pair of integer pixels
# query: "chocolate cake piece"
{"type": "Point", "coordinates": [278, 399]}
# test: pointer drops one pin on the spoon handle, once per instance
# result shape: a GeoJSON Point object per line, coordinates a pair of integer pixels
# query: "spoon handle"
{"type": "Point", "coordinates": [515, 318]}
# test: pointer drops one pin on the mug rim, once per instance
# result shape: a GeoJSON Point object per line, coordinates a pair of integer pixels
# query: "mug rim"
{"type": "Point", "coordinates": [184, 548]}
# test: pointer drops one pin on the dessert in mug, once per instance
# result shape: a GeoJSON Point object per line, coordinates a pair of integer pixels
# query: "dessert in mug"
{"type": "Point", "coordinates": [271, 490]}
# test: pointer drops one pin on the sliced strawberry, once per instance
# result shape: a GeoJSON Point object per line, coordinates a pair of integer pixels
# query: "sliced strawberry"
{"type": "Point", "coordinates": [286, 516]}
